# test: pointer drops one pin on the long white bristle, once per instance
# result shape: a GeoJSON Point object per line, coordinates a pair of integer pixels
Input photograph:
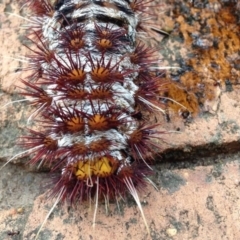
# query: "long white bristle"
{"type": "Point", "coordinates": [133, 191]}
{"type": "Point", "coordinates": [49, 213]}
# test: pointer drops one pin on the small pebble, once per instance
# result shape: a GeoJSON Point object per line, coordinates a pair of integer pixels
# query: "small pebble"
{"type": "Point", "coordinates": [171, 232]}
{"type": "Point", "coordinates": [20, 210]}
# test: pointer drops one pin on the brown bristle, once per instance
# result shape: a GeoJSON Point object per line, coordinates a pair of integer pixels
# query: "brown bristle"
{"type": "Point", "coordinates": [71, 91]}
{"type": "Point", "coordinates": [141, 142]}
{"type": "Point", "coordinates": [100, 74]}
{"type": "Point", "coordinates": [79, 148]}
{"type": "Point", "coordinates": [125, 171]}
{"type": "Point", "coordinates": [73, 73]}
{"type": "Point", "coordinates": [98, 122]}
{"type": "Point", "coordinates": [41, 54]}
{"type": "Point", "coordinates": [76, 43]}
{"type": "Point", "coordinates": [109, 33]}
{"type": "Point", "coordinates": [73, 40]}
{"type": "Point", "coordinates": [76, 93]}
{"type": "Point", "coordinates": [104, 44]}
{"type": "Point", "coordinates": [40, 7]}
{"type": "Point", "coordinates": [136, 137]}
{"type": "Point", "coordinates": [101, 93]}
{"type": "Point", "coordinates": [147, 94]}
{"type": "Point", "coordinates": [75, 124]}
{"type": "Point", "coordinates": [47, 149]}
{"type": "Point", "coordinates": [99, 145]}
{"type": "Point", "coordinates": [143, 55]}
{"type": "Point", "coordinates": [106, 73]}
{"type": "Point", "coordinates": [39, 95]}
{"type": "Point", "coordinates": [69, 120]}
{"type": "Point", "coordinates": [103, 74]}
{"type": "Point", "coordinates": [50, 143]}
{"type": "Point", "coordinates": [108, 39]}
{"type": "Point", "coordinates": [140, 5]}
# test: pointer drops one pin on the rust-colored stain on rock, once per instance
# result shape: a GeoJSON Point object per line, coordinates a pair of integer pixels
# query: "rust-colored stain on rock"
{"type": "Point", "coordinates": [208, 53]}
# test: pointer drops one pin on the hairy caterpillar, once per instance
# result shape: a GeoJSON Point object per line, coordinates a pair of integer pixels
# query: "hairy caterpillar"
{"type": "Point", "coordinates": [92, 83]}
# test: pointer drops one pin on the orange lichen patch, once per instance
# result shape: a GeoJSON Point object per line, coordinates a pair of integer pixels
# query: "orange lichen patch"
{"type": "Point", "coordinates": [212, 45]}
{"type": "Point", "coordinates": [98, 122]}
{"type": "Point", "coordinates": [99, 145]}
{"type": "Point", "coordinates": [75, 124]}
{"type": "Point", "coordinates": [50, 144]}
{"type": "Point", "coordinates": [186, 29]}
{"type": "Point", "coordinates": [100, 74]}
{"type": "Point", "coordinates": [183, 100]}
{"type": "Point", "coordinates": [99, 167]}
{"type": "Point", "coordinates": [227, 16]}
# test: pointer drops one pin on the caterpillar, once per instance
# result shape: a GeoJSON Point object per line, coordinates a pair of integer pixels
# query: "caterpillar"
{"type": "Point", "coordinates": [94, 85]}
